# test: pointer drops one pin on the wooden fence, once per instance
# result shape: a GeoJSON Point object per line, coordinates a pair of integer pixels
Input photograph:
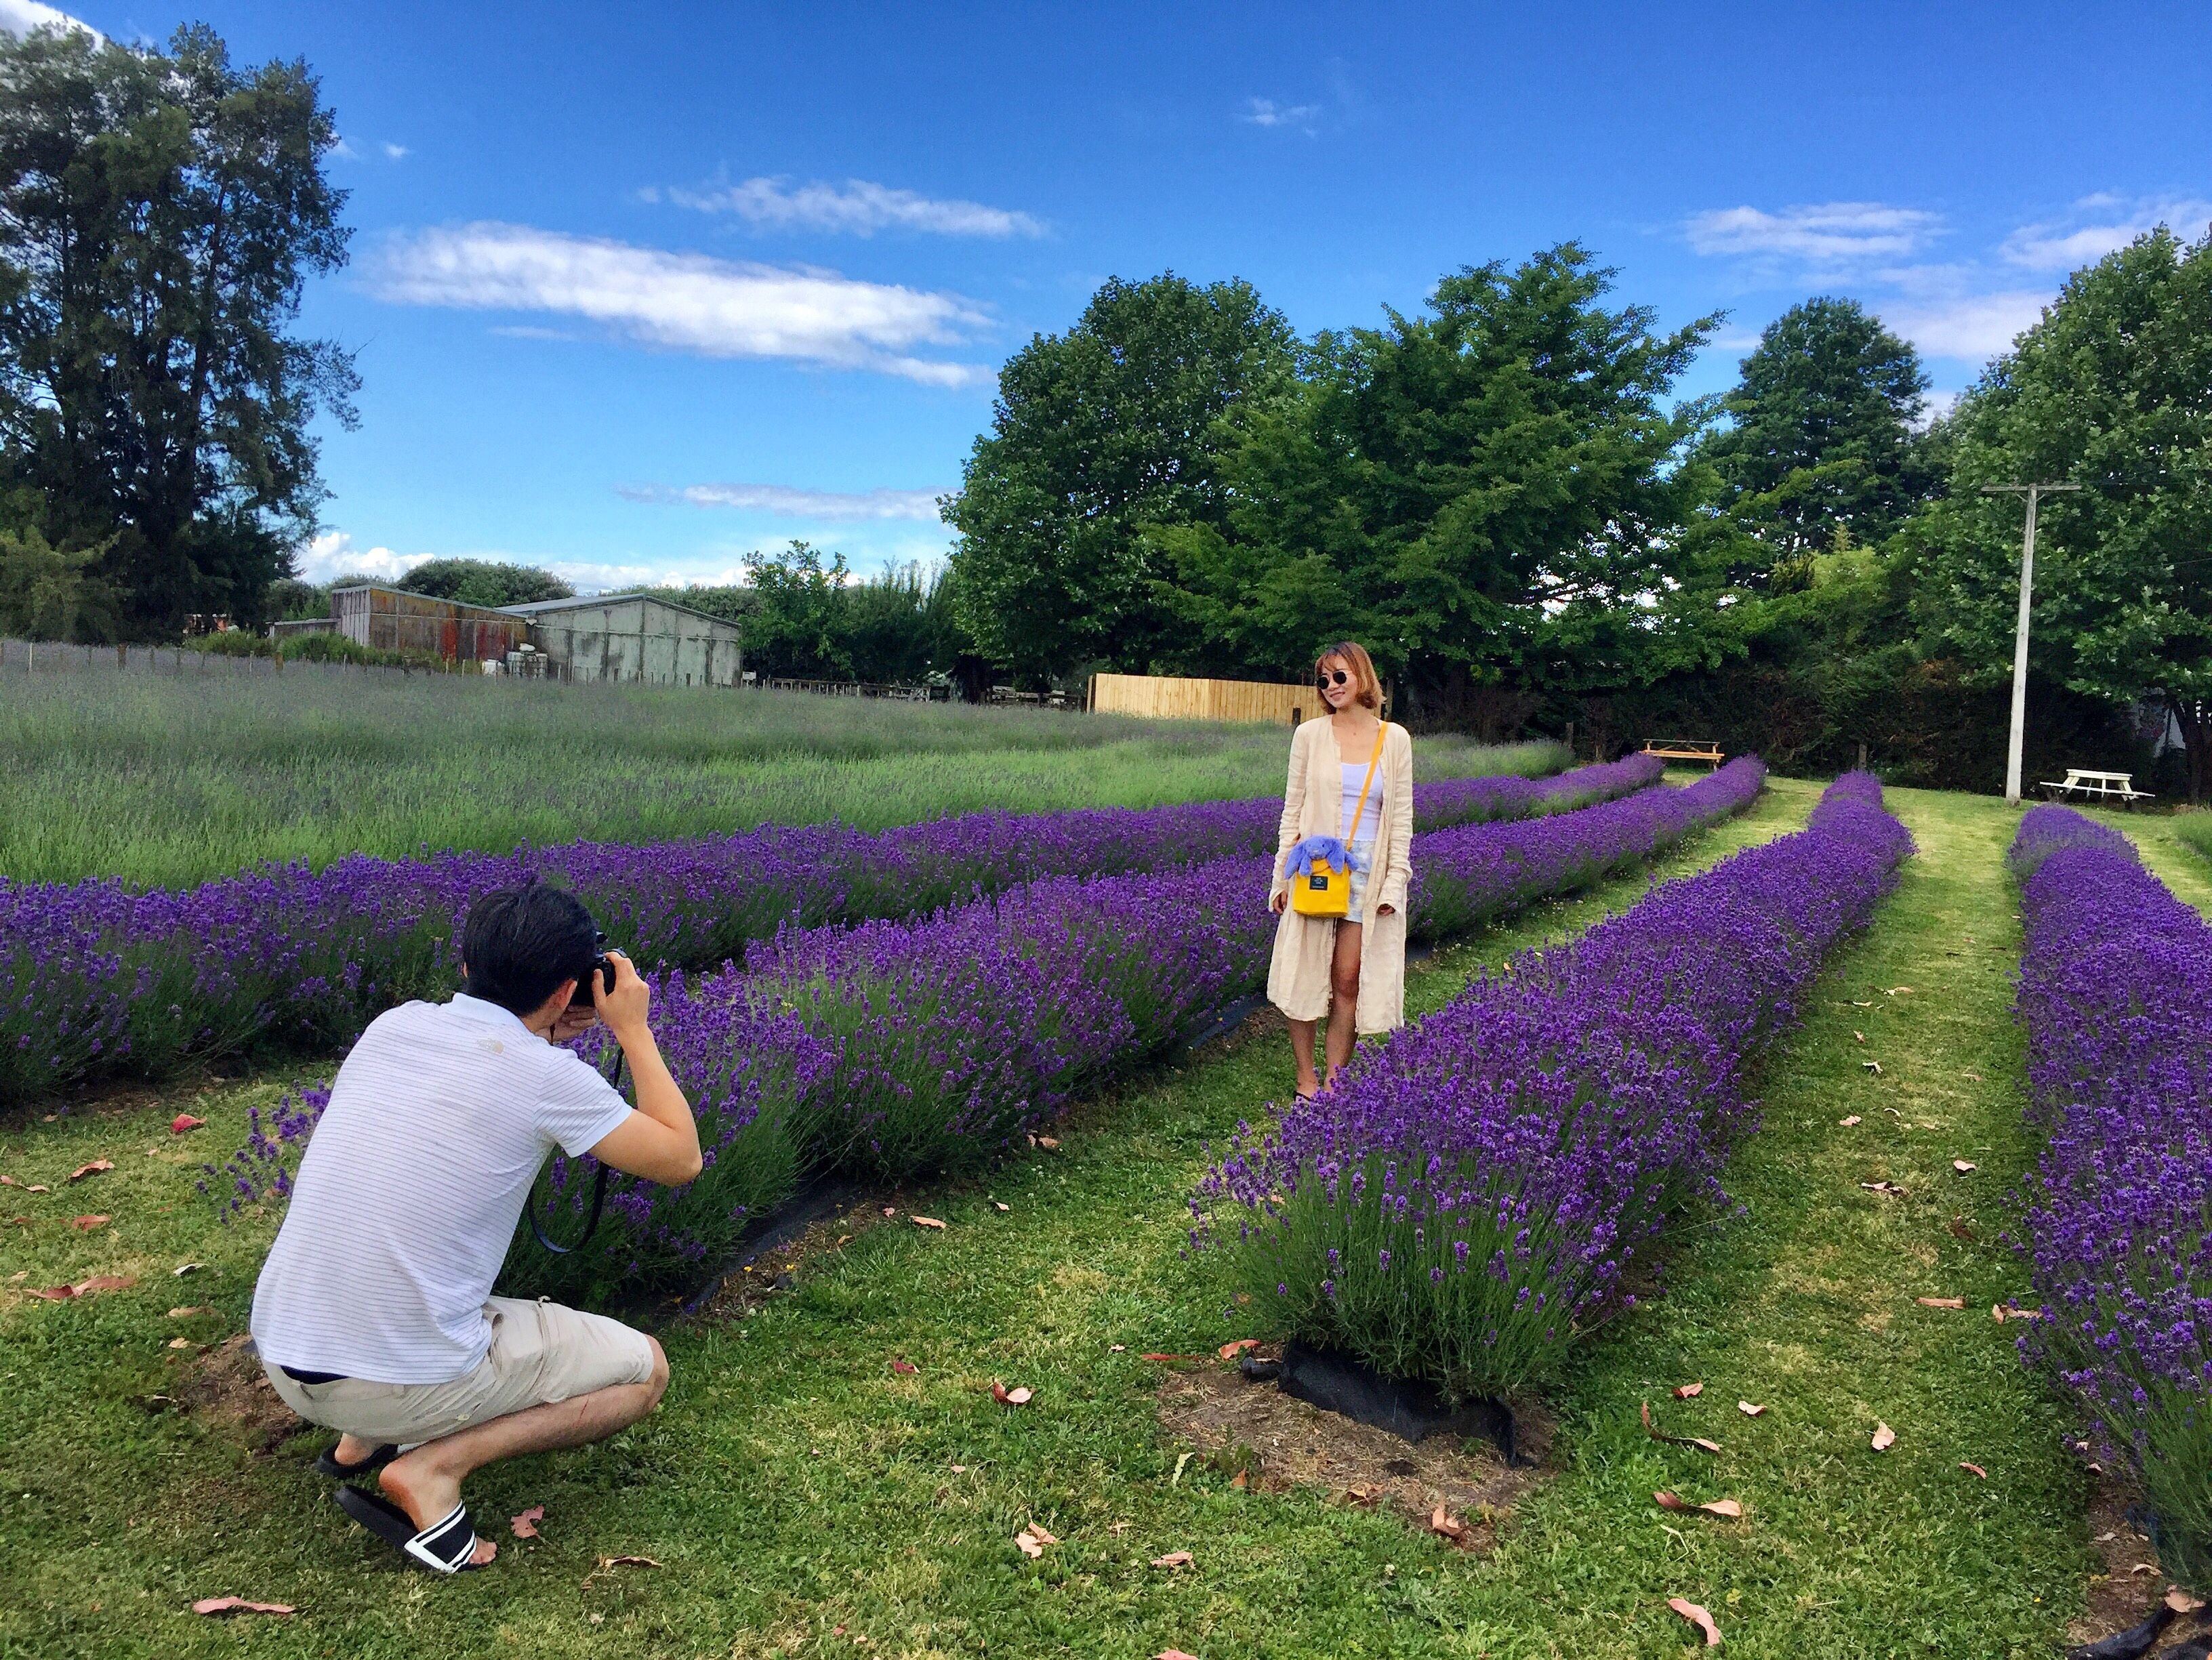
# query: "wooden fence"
{"type": "Point", "coordinates": [1157, 697]}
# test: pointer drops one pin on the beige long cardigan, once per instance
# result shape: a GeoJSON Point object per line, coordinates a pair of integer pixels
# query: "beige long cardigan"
{"type": "Point", "coordinates": [1312, 805]}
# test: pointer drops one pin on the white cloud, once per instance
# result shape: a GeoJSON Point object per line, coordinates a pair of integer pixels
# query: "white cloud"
{"type": "Point", "coordinates": [682, 301]}
{"type": "Point", "coordinates": [1266, 112]}
{"type": "Point", "coordinates": [333, 555]}
{"type": "Point", "coordinates": [2099, 224]}
{"type": "Point", "coordinates": [395, 152]}
{"type": "Point", "coordinates": [856, 208]}
{"type": "Point", "coordinates": [22, 16]}
{"type": "Point", "coordinates": [1823, 232]}
{"type": "Point", "coordinates": [1977, 326]}
{"type": "Point", "coordinates": [837, 506]}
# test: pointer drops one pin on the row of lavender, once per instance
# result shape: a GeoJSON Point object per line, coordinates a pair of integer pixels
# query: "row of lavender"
{"type": "Point", "coordinates": [1486, 1188]}
{"type": "Point", "coordinates": [95, 980]}
{"type": "Point", "coordinates": [2115, 995]}
{"type": "Point", "coordinates": [895, 1047]}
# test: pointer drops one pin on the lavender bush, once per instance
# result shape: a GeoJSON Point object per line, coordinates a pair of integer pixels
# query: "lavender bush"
{"type": "Point", "coordinates": [895, 1047]}
{"type": "Point", "coordinates": [96, 979]}
{"type": "Point", "coordinates": [1475, 1194]}
{"type": "Point", "coordinates": [2115, 995]}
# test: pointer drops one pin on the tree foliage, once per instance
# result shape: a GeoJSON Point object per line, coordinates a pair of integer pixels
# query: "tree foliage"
{"type": "Point", "coordinates": [1489, 493]}
{"type": "Point", "coordinates": [2112, 389]}
{"type": "Point", "coordinates": [1822, 432]}
{"type": "Point", "coordinates": [485, 582]}
{"type": "Point", "coordinates": [159, 212]}
{"type": "Point", "coordinates": [1098, 433]}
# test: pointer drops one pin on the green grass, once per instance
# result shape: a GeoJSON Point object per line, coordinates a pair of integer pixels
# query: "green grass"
{"type": "Point", "coordinates": [167, 780]}
{"type": "Point", "coordinates": [2176, 847]}
{"type": "Point", "coordinates": [2194, 830]}
{"type": "Point", "coordinates": [791, 1484]}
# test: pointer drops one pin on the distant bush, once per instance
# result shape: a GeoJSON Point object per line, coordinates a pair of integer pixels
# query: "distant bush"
{"type": "Point", "coordinates": [484, 582]}
{"type": "Point", "coordinates": [310, 648]}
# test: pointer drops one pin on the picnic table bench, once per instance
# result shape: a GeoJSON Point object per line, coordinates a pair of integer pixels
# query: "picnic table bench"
{"type": "Point", "coordinates": [2087, 782]}
{"type": "Point", "coordinates": [1684, 750]}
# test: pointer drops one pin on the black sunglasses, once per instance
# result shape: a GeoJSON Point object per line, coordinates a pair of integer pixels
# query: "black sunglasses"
{"type": "Point", "coordinates": [1331, 677]}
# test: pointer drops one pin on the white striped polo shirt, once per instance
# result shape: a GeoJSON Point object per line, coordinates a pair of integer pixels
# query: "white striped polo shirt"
{"type": "Point", "coordinates": [409, 1194]}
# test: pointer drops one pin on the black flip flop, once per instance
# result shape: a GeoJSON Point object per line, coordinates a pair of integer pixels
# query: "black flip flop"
{"type": "Point", "coordinates": [447, 1546]}
{"type": "Point", "coordinates": [328, 1464]}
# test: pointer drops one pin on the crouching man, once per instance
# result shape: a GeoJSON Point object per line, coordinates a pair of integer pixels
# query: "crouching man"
{"type": "Point", "coordinates": [375, 1315]}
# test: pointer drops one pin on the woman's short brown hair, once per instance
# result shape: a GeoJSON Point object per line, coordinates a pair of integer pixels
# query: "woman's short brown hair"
{"type": "Point", "coordinates": [1366, 688]}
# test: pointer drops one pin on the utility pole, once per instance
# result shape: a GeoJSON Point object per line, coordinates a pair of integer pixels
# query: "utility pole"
{"type": "Point", "coordinates": [2020, 635]}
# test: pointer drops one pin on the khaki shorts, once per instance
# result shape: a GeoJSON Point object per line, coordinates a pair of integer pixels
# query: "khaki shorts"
{"type": "Point", "coordinates": [540, 1352]}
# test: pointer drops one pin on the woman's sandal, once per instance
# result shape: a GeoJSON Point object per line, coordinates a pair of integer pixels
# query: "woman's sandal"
{"type": "Point", "coordinates": [448, 1546]}
{"type": "Point", "coordinates": [329, 1465]}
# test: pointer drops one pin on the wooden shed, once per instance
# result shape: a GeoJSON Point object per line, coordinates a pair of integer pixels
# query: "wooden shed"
{"type": "Point", "coordinates": [633, 637]}
{"type": "Point", "coordinates": [394, 620]}
{"type": "Point", "coordinates": [1162, 697]}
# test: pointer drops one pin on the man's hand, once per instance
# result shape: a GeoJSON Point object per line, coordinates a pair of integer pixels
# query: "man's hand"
{"type": "Point", "coordinates": [626, 1008]}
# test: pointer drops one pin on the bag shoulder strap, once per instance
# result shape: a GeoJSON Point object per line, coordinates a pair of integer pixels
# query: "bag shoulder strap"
{"type": "Point", "coordinates": [1366, 783]}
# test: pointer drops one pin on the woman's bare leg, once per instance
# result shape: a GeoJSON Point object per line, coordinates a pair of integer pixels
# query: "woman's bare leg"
{"type": "Point", "coordinates": [1344, 996]}
{"type": "Point", "coordinates": [1302, 1052]}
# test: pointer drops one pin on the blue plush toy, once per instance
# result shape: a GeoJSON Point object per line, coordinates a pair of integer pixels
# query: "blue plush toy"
{"type": "Point", "coordinates": [1329, 850]}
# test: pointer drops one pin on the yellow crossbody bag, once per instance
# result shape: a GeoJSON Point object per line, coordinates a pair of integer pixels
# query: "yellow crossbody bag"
{"type": "Point", "coordinates": [1325, 889]}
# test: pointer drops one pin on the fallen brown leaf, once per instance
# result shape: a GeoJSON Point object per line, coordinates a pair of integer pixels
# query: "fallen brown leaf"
{"type": "Point", "coordinates": [1688, 1391]}
{"type": "Point", "coordinates": [1000, 1208]}
{"type": "Point", "coordinates": [1050, 1144]}
{"type": "Point", "coordinates": [904, 1367]}
{"type": "Point", "coordinates": [1959, 1230]}
{"type": "Point", "coordinates": [1009, 1397]}
{"type": "Point", "coordinates": [2144, 1567]}
{"type": "Point", "coordinates": [1032, 1540]}
{"type": "Point", "coordinates": [85, 1224]}
{"type": "Point", "coordinates": [1973, 1470]}
{"type": "Point", "coordinates": [525, 1524]}
{"type": "Point", "coordinates": [1117, 1348]}
{"type": "Point", "coordinates": [1174, 1558]}
{"type": "Point", "coordinates": [1446, 1525]}
{"type": "Point", "coordinates": [1884, 1437]}
{"type": "Point", "coordinates": [1941, 1302]}
{"type": "Point", "coordinates": [627, 1562]}
{"type": "Point", "coordinates": [182, 1343]}
{"type": "Point", "coordinates": [1696, 1441]}
{"type": "Point", "coordinates": [1963, 1166]}
{"type": "Point", "coordinates": [1357, 1496]}
{"type": "Point", "coordinates": [187, 1313]}
{"type": "Point", "coordinates": [91, 1169]}
{"type": "Point", "coordinates": [891, 1210]}
{"type": "Point", "coordinates": [1240, 1480]}
{"type": "Point", "coordinates": [183, 1269]}
{"type": "Point", "coordinates": [2181, 1602]}
{"type": "Point", "coordinates": [1874, 1067]}
{"type": "Point", "coordinates": [1748, 1410]}
{"type": "Point", "coordinates": [1890, 1188]}
{"type": "Point", "coordinates": [1230, 1351]}
{"type": "Point", "coordinates": [240, 1605]}
{"type": "Point", "coordinates": [1891, 992]}
{"type": "Point", "coordinates": [929, 1222]}
{"type": "Point", "coordinates": [1154, 1354]}
{"type": "Point", "coordinates": [1698, 1617]}
{"type": "Point", "coordinates": [1728, 1507]}
{"type": "Point", "coordinates": [52, 1293]}
{"type": "Point", "coordinates": [103, 1283]}
{"type": "Point", "coordinates": [1848, 1123]}
{"type": "Point", "coordinates": [184, 1123]}
{"type": "Point", "coordinates": [1859, 1037]}
{"type": "Point", "coordinates": [1174, 1654]}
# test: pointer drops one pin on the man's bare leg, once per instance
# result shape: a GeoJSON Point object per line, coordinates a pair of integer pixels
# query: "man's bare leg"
{"type": "Point", "coordinates": [427, 1482]}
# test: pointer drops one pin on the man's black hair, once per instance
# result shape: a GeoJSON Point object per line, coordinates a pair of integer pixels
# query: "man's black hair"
{"type": "Point", "coordinates": [519, 944]}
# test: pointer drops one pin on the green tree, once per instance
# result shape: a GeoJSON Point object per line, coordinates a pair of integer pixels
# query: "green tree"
{"type": "Point", "coordinates": [1487, 496]}
{"type": "Point", "coordinates": [52, 593]}
{"type": "Point", "coordinates": [1822, 432]}
{"type": "Point", "coordinates": [795, 626]}
{"type": "Point", "coordinates": [485, 582]}
{"type": "Point", "coordinates": [2112, 390]}
{"type": "Point", "coordinates": [1099, 433]}
{"type": "Point", "coordinates": [158, 214]}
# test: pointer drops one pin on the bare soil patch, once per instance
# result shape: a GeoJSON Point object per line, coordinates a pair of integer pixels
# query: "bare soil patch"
{"type": "Point", "coordinates": [1285, 1442]}
{"type": "Point", "coordinates": [226, 1390]}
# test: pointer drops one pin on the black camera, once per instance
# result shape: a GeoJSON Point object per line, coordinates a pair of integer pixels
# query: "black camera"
{"type": "Point", "coordinates": [600, 976]}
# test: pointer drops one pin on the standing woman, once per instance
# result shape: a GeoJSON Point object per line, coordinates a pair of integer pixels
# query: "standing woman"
{"type": "Point", "coordinates": [1351, 786]}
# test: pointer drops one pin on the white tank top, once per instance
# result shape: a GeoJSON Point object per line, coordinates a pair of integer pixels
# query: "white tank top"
{"type": "Point", "coordinates": [1354, 772]}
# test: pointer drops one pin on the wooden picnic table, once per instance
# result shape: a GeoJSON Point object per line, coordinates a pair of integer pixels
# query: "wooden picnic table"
{"type": "Point", "coordinates": [1684, 750]}
{"type": "Point", "coordinates": [2087, 783]}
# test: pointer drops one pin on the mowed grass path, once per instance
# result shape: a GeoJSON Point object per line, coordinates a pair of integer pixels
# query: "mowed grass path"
{"type": "Point", "coordinates": [793, 1484]}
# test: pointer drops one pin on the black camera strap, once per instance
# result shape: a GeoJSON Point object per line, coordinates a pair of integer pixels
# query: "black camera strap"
{"type": "Point", "coordinates": [614, 1077]}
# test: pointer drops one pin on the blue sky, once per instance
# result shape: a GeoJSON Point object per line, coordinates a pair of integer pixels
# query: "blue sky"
{"type": "Point", "coordinates": [637, 293]}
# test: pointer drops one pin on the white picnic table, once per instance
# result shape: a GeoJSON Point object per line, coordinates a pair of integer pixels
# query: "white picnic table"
{"type": "Point", "coordinates": [2088, 783]}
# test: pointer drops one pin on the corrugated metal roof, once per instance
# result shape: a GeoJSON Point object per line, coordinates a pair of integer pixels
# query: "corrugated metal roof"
{"type": "Point", "coordinates": [538, 607]}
